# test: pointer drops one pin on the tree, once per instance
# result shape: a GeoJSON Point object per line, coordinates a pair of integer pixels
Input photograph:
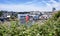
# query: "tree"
{"type": "Point", "coordinates": [53, 9]}
{"type": "Point", "coordinates": [1, 12]}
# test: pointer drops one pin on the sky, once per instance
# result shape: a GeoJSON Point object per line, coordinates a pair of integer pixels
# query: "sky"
{"type": "Point", "coordinates": [29, 5]}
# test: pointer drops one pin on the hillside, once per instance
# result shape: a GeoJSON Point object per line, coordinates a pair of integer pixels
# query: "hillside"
{"type": "Point", "coordinates": [49, 28]}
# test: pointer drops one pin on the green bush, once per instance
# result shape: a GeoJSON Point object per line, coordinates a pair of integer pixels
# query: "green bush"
{"type": "Point", "coordinates": [56, 15]}
{"type": "Point", "coordinates": [50, 28]}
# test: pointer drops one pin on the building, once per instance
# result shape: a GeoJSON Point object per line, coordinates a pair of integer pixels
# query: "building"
{"type": "Point", "coordinates": [21, 17]}
{"type": "Point", "coordinates": [7, 14]}
{"type": "Point", "coordinates": [46, 15]}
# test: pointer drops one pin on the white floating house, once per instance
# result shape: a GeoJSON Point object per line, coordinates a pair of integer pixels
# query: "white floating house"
{"type": "Point", "coordinates": [21, 17]}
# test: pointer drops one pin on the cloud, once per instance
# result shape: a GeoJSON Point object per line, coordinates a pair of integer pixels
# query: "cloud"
{"type": "Point", "coordinates": [19, 7]}
{"type": "Point", "coordinates": [53, 4]}
{"type": "Point", "coordinates": [34, 5]}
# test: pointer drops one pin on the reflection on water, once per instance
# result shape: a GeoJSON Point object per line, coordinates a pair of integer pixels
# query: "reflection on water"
{"type": "Point", "coordinates": [23, 21]}
{"type": "Point", "coordinates": [30, 23]}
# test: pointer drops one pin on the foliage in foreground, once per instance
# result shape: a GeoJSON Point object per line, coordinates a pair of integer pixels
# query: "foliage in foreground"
{"type": "Point", "coordinates": [50, 28]}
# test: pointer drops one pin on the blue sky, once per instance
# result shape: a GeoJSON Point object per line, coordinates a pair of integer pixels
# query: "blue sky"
{"type": "Point", "coordinates": [29, 5]}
